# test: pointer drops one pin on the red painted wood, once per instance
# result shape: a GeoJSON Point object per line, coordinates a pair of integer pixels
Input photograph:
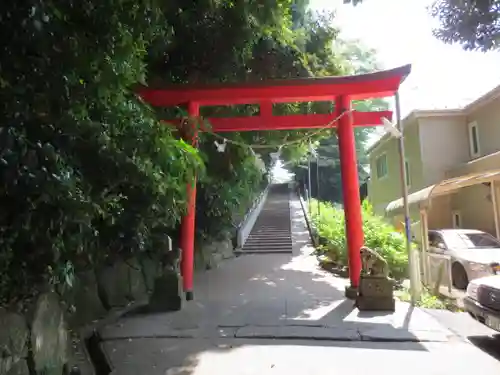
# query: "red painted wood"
{"type": "Point", "coordinates": [350, 190]}
{"type": "Point", "coordinates": [340, 89]}
{"type": "Point", "coordinates": [188, 224]}
{"type": "Point", "coordinates": [372, 85]}
{"type": "Point", "coordinates": [262, 123]}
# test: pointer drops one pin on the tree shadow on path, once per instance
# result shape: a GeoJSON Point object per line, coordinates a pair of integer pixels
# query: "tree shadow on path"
{"type": "Point", "coordinates": [260, 307]}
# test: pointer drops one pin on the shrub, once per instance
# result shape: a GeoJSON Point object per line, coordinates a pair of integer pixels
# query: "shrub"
{"type": "Point", "coordinates": [87, 173]}
{"type": "Point", "coordinates": [379, 235]}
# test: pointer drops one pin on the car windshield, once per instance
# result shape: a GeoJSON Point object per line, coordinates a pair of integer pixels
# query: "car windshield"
{"type": "Point", "coordinates": [464, 240]}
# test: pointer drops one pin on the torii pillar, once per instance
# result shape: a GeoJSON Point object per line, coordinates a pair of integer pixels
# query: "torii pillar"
{"type": "Point", "coordinates": [188, 221]}
{"type": "Point", "coordinates": [350, 191]}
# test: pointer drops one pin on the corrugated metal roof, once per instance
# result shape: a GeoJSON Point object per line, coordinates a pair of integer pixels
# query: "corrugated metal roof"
{"type": "Point", "coordinates": [423, 197]}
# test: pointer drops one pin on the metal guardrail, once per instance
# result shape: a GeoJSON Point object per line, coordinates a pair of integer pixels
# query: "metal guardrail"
{"type": "Point", "coordinates": [244, 228]}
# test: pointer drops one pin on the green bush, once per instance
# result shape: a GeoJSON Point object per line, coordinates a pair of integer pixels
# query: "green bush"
{"type": "Point", "coordinates": [87, 173]}
{"type": "Point", "coordinates": [379, 235]}
{"type": "Point", "coordinates": [227, 190]}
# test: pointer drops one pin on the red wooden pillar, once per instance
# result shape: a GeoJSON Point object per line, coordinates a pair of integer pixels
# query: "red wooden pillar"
{"type": "Point", "coordinates": [350, 189]}
{"type": "Point", "coordinates": [188, 221]}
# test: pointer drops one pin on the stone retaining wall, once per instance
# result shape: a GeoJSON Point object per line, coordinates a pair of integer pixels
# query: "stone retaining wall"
{"type": "Point", "coordinates": [44, 339]}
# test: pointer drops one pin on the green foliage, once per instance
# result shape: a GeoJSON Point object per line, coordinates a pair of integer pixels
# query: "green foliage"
{"type": "Point", "coordinates": [428, 300]}
{"type": "Point", "coordinates": [379, 235]}
{"type": "Point", "coordinates": [86, 171]}
{"type": "Point", "coordinates": [326, 176]}
{"type": "Point", "coordinates": [232, 182]}
{"type": "Point", "coordinates": [473, 24]}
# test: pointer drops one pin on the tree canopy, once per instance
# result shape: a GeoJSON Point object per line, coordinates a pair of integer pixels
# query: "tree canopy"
{"type": "Point", "coordinates": [475, 24]}
{"type": "Point", "coordinates": [326, 178]}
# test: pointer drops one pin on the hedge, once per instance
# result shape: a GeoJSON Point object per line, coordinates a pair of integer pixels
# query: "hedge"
{"type": "Point", "coordinates": [379, 235]}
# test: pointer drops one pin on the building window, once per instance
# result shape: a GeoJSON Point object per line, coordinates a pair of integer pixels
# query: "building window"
{"type": "Point", "coordinates": [457, 220]}
{"type": "Point", "coordinates": [407, 168]}
{"type": "Point", "coordinates": [381, 165]}
{"type": "Point", "coordinates": [474, 140]}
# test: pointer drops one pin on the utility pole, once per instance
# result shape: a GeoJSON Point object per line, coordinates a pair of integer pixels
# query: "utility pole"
{"type": "Point", "coordinates": [415, 286]}
{"type": "Point", "coordinates": [317, 181]}
{"type": "Point", "coordinates": [309, 177]}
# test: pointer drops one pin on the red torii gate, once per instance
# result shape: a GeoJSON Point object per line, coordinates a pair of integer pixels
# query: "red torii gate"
{"type": "Point", "coordinates": [342, 90]}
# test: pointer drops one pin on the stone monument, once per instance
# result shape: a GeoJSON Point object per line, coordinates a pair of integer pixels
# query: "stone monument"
{"type": "Point", "coordinates": [167, 289]}
{"type": "Point", "coordinates": [375, 286]}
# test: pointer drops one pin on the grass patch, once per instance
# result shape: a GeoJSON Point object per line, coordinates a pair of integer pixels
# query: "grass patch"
{"type": "Point", "coordinates": [379, 236]}
{"type": "Point", "coordinates": [428, 300]}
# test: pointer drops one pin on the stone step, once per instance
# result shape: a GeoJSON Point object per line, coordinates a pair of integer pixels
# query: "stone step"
{"type": "Point", "coordinates": [265, 237]}
{"type": "Point", "coordinates": [265, 246]}
{"type": "Point", "coordinates": [274, 213]}
{"type": "Point", "coordinates": [266, 243]}
{"type": "Point", "coordinates": [272, 221]}
{"type": "Point", "coordinates": [281, 221]}
{"type": "Point", "coordinates": [264, 251]}
{"type": "Point", "coordinates": [270, 229]}
{"type": "Point", "coordinates": [267, 232]}
{"type": "Point", "coordinates": [269, 239]}
{"type": "Point", "coordinates": [271, 233]}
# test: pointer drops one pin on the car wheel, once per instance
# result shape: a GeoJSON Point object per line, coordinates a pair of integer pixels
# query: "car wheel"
{"type": "Point", "coordinates": [459, 276]}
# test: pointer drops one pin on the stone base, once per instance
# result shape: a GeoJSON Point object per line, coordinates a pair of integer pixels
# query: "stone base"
{"type": "Point", "coordinates": [351, 292]}
{"type": "Point", "coordinates": [374, 286]}
{"type": "Point", "coordinates": [375, 294]}
{"type": "Point", "coordinates": [376, 303]}
{"type": "Point", "coordinates": [167, 294]}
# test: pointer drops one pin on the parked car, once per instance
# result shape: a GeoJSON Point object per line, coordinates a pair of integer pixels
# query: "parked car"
{"type": "Point", "coordinates": [482, 301]}
{"type": "Point", "coordinates": [474, 254]}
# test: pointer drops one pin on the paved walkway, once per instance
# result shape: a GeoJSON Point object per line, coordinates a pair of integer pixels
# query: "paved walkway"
{"type": "Point", "coordinates": [280, 314]}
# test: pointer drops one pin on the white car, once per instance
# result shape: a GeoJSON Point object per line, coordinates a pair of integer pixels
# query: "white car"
{"type": "Point", "coordinates": [473, 253]}
{"type": "Point", "coordinates": [482, 301]}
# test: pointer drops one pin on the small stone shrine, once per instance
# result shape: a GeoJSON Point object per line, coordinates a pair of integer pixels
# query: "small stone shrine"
{"type": "Point", "coordinates": [167, 290]}
{"type": "Point", "coordinates": [375, 286]}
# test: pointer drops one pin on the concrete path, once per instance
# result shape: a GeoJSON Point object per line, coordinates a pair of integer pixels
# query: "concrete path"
{"type": "Point", "coordinates": [281, 314]}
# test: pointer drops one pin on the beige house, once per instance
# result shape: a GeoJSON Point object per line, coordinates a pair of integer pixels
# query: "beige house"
{"type": "Point", "coordinates": [453, 162]}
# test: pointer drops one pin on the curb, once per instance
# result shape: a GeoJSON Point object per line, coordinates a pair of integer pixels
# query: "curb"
{"type": "Point", "coordinates": [91, 340]}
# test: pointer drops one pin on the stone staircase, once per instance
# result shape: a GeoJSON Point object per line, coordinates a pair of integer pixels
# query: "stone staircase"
{"type": "Point", "coordinates": [271, 232]}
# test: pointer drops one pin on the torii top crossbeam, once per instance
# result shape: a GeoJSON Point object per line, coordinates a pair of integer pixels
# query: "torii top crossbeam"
{"type": "Point", "coordinates": [363, 86]}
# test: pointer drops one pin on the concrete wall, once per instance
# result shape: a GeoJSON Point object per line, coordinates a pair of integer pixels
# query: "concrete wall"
{"type": "Point", "coordinates": [487, 118]}
{"type": "Point", "coordinates": [382, 191]}
{"type": "Point", "coordinates": [473, 203]}
{"type": "Point", "coordinates": [439, 213]}
{"type": "Point", "coordinates": [475, 208]}
{"type": "Point", "coordinates": [40, 336]}
{"type": "Point", "coordinates": [249, 221]}
{"type": "Point", "coordinates": [444, 144]}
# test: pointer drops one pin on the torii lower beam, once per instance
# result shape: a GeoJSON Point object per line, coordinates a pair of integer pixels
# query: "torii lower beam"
{"type": "Point", "coordinates": [312, 121]}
